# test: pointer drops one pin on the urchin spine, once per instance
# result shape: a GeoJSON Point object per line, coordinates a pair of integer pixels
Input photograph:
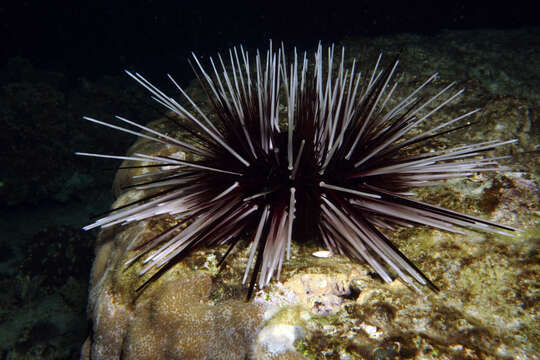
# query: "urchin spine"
{"type": "Point", "coordinates": [335, 121]}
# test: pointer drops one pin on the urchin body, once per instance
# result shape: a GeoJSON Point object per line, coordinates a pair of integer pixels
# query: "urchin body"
{"type": "Point", "coordinates": [298, 151]}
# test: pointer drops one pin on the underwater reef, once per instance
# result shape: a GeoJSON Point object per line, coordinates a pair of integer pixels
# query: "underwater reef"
{"type": "Point", "coordinates": [322, 307]}
{"type": "Point", "coordinates": [326, 306]}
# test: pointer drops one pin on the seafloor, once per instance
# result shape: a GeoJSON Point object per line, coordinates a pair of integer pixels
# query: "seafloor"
{"type": "Point", "coordinates": [323, 308]}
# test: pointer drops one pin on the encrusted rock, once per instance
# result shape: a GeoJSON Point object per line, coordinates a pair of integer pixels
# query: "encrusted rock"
{"type": "Point", "coordinates": [328, 307]}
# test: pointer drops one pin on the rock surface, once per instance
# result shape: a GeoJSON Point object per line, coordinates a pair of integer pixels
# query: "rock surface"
{"type": "Point", "coordinates": [331, 308]}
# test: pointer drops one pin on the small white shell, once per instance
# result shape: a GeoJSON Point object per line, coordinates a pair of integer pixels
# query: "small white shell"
{"type": "Point", "coordinates": [322, 254]}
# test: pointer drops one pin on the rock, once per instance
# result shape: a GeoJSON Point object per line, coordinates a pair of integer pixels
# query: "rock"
{"type": "Point", "coordinates": [329, 307]}
{"type": "Point", "coordinates": [171, 318]}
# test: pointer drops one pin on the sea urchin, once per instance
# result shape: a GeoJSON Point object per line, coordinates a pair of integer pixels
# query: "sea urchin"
{"type": "Point", "coordinates": [294, 151]}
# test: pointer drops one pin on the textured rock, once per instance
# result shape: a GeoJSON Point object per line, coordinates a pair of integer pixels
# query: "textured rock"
{"type": "Point", "coordinates": [324, 308]}
{"type": "Point", "coordinates": [331, 308]}
{"type": "Point", "coordinates": [172, 318]}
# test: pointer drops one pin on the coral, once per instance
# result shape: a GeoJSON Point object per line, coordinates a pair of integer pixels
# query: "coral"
{"type": "Point", "coordinates": [324, 308]}
{"type": "Point", "coordinates": [173, 318]}
{"type": "Point", "coordinates": [487, 307]}
{"type": "Point", "coordinates": [43, 300]}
